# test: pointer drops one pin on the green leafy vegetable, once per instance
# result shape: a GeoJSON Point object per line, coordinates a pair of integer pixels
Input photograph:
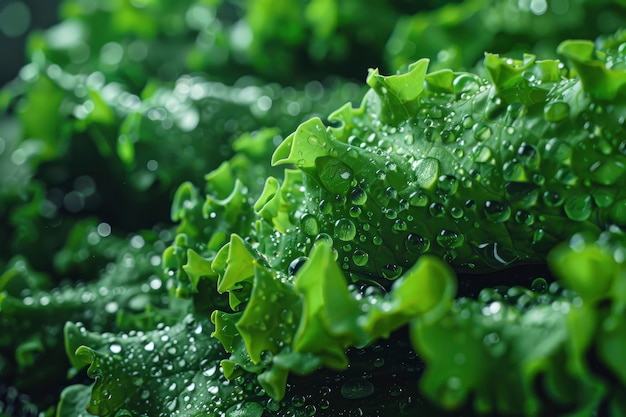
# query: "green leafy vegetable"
{"type": "Point", "coordinates": [451, 244]}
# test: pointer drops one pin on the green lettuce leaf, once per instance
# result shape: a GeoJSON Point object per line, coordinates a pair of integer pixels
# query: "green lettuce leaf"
{"type": "Point", "coordinates": [163, 372]}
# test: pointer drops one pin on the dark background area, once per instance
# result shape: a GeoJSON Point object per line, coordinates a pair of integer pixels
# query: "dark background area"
{"type": "Point", "coordinates": [17, 19]}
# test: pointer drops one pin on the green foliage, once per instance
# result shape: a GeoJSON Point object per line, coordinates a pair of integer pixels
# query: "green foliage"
{"type": "Point", "coordinates": [190, 239]}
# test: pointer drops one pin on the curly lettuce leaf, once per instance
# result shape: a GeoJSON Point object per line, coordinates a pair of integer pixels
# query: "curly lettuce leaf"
{"type": "Point", "coordinates": [432, 169]}
{"type": "Point", "coordinates": [172, 370]}
{"type": "Point", "coordinates": [483, 173]}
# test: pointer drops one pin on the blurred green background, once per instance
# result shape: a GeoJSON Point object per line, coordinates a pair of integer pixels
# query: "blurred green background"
{"type": "Point", "coordinates": [17, 19]}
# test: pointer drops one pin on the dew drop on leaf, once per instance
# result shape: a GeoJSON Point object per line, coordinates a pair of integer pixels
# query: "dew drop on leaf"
{"type": "Point", "coordinates": [552, 199]}
{"type": "Point", "coordinates": [309, 225]}
{"type": "Point", "coordinates": [578, 208]}
{"type": "Point", "coordinates": [360, 257]}
{"type": "Point", "coordinates": [528, 156]}
{"type": "Point", "coordinates": [358, 196]}
{"type": "Point", "coordinates": [391, 271]}
{"type": "Point", "coordinates": [418, 199]}
{"type": "Point", "coordinates": [482, 153]}
{"type": "Point", "coordinates": [296, 264]}
{"type": "Point", "coordinates": [450, 239]}
{"type": "Point", "coordinates": [448, 184]}
{"type": "Point", "coordinates": [399, 226]}
{"type": "Point", "coordinates": [556, 111]}
{"type": "Point", "coordinates": [325, 207]}
{"type": "Point", "coordinates": [465, 83]}
{"type": "Point", "coordinates": [298, 400]}
{"type": "Point", "coordinates": [416, 244]}
{"type": "Point", "coordinates": [496, 212]}
{"type": "Point", "coordinates": [437, 210]}
{"type": "Point", "coordinates": [514, 171]}
{"type": "Point", "coordinates": [524, 217]}
{"type": "Point", "coordinates": [345, 229]}
{"type": "Point", "coordinates": [482, 132]}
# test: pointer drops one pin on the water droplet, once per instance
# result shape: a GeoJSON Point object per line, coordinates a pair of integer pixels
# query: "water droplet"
{"type": "Point", "coordinates": [602, 198]}
{"type": "Point", "coordinates": [496, 212]}
{"type": "Point", "coordinates": [466, 83]}
{"type": "Point", "coordinates": [516, 110]}
{"type": "Point", "coordinates": [358, 196]}
{"type": "Point", "coordinates": [524, 217]}
{"type": "Point", "coordinates": [391, 193]}
{"type": "Point", "coordinates": [360, 257]}
{"type": "Point", "coordinates": [354, 389]}
{"type": "Point", "coordinates": [558, 150]}
{"type": "Point", "coordinates": [566, 176]}
{"type": "Point", "coordinates": [345, 229]}
{"type": "Point", "coordinates": [355, 211]}
{"type": "Point", "coordinates": [482, 132]}
{"type": "Point", "coordinates": [296, 264]}
{"type": "Point", "coordinates": [298, 400]}
{"type": "Point", "coordinates": [309, 225]}
{"type": "Point", "coordinates": [539, 285]}
{"type": "Point", "coordinates": [115, 348]}
{"type": "Point", "coordinates": [450, 239]}
{"type": "Point", "coordinates": [416, 244]}
{"type": "Point", "coordinates": [556, 111]}
{"type": "Point", "coordinates": [437, 210]}
{"type": "Point", "coordinates": [468, 121]}
{"type": "Point", "coordinates": [578, 208]}
{"type": "Point", "coordinates": [514, 171]}
{"type": "Point", "coordinates": [528, 156]}
{"type": "Point", "coordinates": [391, 271]}
{"type": "Point", "coordinates": [456, 212]}
{"type": "Point", "coordinates": [324, 404]}
{"type": "Point", "coordinates": [286, 316]}
{"type": "Point", "coordinates": [448, 184]}
{"type": "Point", "coordinates": [390, 213]}
{"type": "Point", "coordinates": [149, 347]}
{"type": "Point", "coordinates": [418, 199]}
{"type": "Point", "coordinates": [325, 207]}
{"type": "Point", "coordinates": [482, 154]}
{"type": "Point", "coordinates": [552, 199]}
{"type": "Point", "coordinates": [399, 226]}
